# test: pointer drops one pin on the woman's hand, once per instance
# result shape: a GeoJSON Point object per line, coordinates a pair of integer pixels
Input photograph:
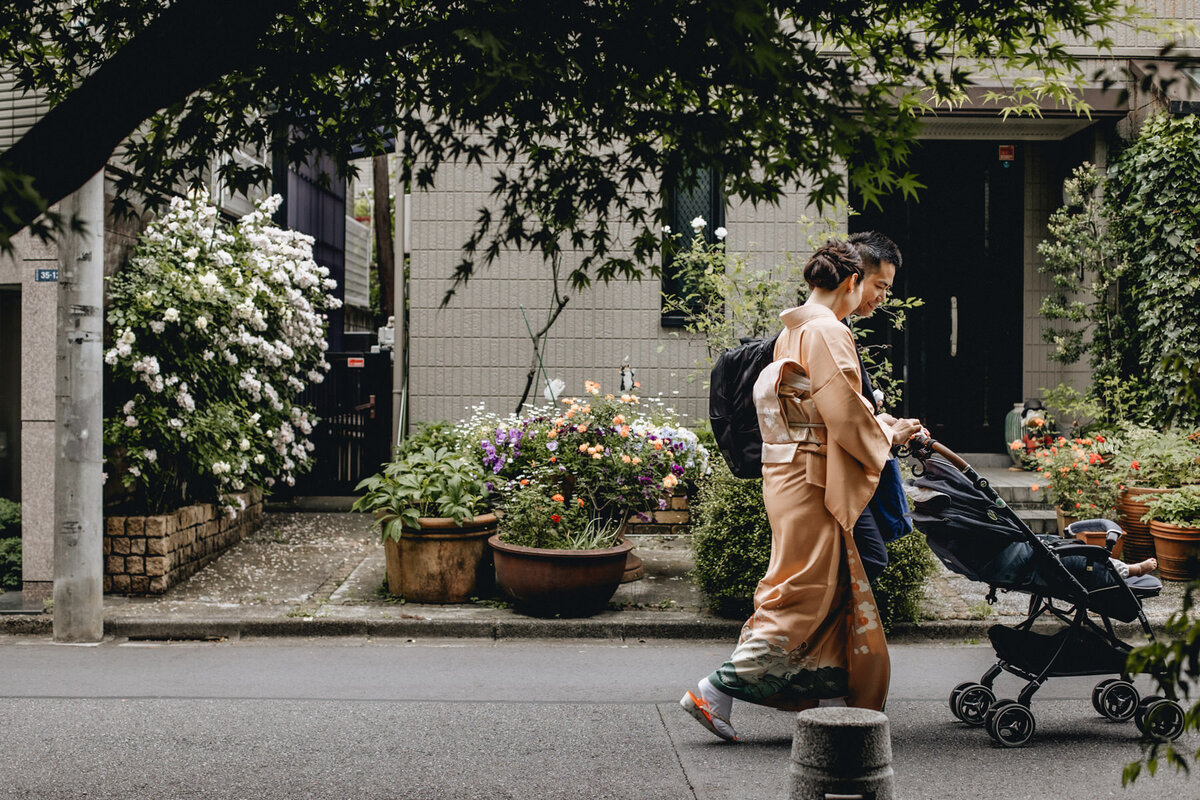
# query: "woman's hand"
{"type": "Point", "coordinates": [886, 418]}
{"type": "Point", "coordinates": [905, 429]}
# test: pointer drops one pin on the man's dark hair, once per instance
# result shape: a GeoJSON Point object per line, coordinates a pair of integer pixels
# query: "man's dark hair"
{"type": "Point", "coordinates": [874, 248]}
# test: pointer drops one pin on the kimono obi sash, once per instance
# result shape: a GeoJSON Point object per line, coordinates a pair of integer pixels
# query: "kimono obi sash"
{"type": "Point", "coordinates": [787, 416]}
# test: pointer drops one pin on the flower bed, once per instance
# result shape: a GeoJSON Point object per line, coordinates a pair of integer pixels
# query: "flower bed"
{"type": "Point", "coordinates": [149, 555]}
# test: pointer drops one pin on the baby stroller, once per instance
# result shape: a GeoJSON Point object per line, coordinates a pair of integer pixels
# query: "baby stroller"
{"type": "Point", "coordinates": [976, 534]}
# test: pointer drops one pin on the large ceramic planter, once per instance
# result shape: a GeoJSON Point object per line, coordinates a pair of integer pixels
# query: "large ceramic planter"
{"type": "Point", "coordinates": [564, 582]}
{"type": "Point", "coordinates": [1138, 544]}
{"type": "Point", "coordinates": [1178, 550]}
{"type": "Point", "coordinates": [442, 562]}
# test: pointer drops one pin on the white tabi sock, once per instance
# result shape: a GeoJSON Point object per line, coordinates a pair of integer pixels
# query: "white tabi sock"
{"type": "Point", "coordinates": [717, 700]}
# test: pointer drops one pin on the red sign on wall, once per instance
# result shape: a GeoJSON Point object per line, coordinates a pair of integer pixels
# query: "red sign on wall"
{"type": "Point", "coordinates": [1008, 152]}
{"type": "Point", "coordinates": [356, 362]}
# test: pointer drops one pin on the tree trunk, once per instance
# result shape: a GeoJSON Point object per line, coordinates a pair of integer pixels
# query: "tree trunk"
{"type": "Point", "coordinates": [384, 252]}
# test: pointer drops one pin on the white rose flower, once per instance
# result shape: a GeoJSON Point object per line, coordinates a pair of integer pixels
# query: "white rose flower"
{"type": "Point", "coordinates": [171, 315]}
{"type": "Point", "coordinates": [131, 422]}
{"type": "Point", "coordinates": [721, 233]}
{"type": "Point", "coordinates": [698, 223]}
{"type": "Point", "coordinates": [150, 455]}
{"type": "Point", "coordinates": [158, 326]}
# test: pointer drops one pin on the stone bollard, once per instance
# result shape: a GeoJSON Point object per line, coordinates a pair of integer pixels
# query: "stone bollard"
{"type": "Point", "coordinates": [841, 754]}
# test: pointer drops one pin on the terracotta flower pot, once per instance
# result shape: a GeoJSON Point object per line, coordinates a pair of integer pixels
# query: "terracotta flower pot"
{"type": "Point", "coordinates": [1138, 543]}
{"type": "Point", "coordinates": [442, 562]}
{"type": "Point", "coordinates": [1178, 550]}
{"type": "Point", "coordinates": [565, 582]}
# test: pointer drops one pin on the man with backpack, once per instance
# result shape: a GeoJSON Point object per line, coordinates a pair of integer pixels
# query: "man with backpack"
{"type": "Point", "coordinates": [886, 516]}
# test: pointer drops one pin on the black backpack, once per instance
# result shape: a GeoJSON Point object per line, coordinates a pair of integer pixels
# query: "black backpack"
{"type": "Point", "coordinates": [731, 404]}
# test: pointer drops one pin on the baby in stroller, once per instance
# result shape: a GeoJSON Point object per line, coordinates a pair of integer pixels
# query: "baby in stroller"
{"type": "Point", "coordinates": [1076, 591]}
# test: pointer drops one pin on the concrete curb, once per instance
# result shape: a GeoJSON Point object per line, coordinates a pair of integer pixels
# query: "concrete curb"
{"type": "Point", "coordinates": [496, 628]}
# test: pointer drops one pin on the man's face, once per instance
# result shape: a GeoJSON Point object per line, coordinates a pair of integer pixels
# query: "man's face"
{"type": "Point", "coordinates": [875, 288]}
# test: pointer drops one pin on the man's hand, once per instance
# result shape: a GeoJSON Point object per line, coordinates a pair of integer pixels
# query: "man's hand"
{"type": "Point", "coordinates": [905, 429]}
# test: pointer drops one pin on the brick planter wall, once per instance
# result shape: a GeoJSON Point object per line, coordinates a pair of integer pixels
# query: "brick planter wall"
{"type": "Point", "coordinates": [674, 520]}
{"type": "Point", "coordinates": [148, 555]}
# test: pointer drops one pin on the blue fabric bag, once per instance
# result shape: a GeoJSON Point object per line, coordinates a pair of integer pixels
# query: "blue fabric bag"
{"type": "Point", "coordinates": [889, 506]}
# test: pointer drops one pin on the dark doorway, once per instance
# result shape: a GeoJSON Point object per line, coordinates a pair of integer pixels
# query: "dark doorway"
{"type": "Point", "coordinates": [10, 394]}
{"type": "Point", "coordinates": [962, 241]}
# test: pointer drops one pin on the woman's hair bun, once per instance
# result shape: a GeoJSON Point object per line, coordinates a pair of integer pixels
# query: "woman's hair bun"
{"type": "Point", "coordinates": [833, 262]}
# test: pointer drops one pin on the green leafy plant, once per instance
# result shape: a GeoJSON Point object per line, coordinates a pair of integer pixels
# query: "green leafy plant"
{"type": "Point", "coordinates": [731, 545]}
{"type": "Point", "coordinates": [10, 517]}
{"type": "Point", "coordinates": [1160, 459]}
{"type": "Point", "coordinates": [1083, 476]}
{"type": "Point", "coordinates": [1181, 507]}
{"type": "Point", "coordinates": [901, 587]}
{"type": "Point", "coordinates": [536, 515]}
{"type": "Point", "coordinates": [731, 540]}
{"type": "Point", "coordinates": [10, 563]}
{"type": "Point", "coordinates": [1172, 660]}
{"type": "Point", "coordinates": [1085, 263]}
{"type": "Point", "coordinates": [423, 483]}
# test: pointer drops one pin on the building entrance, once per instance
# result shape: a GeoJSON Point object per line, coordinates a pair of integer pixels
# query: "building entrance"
{"type": "Point", "coordinates": [10, 394]}
{"type": "Point", "coordinates": [962, 241]}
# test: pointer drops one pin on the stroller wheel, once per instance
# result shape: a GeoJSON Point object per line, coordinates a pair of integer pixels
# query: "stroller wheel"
{"type": "Point", "coordinates": [954, 694]}
{"type": "Point", "coordinates": [973, 704]}
{"type": "Point", "coordinates": [1096, 690]}
{"type": "Point", "coordinates": [1161, 721]}
{"type": "Point", "coordinates": [1139, 716]}
{"type": "Point", "coordinates": [1011, 724]}
{"type": "Point", "coordinates": [1119, 701]}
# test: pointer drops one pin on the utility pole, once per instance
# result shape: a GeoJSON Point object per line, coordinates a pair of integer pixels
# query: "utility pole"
{"type": "Point", "coordinates": [79, 424]}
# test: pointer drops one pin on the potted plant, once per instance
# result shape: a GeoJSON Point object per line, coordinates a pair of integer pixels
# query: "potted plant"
{"type": "Point", "coordinates": [1174, 519]}
{"type": "Point", "coordinates": [1153, 463]}
{"type": "Point", "coordinates": [431, 506]}
{"type": "Point", "coordinates": [553, 555]}
{"type": "Point", "coordinates": [1081, 478]}
{"type": "Point", "coordinates": [606, 457]}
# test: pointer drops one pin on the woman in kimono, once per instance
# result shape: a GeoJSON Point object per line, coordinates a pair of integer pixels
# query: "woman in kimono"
{"type": "Point", "coordinates": [815, 636]}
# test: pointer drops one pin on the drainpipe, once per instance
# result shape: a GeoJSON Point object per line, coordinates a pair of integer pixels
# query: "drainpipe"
{"type": "Point", "coordinates": [400, 297]}
{"type": "Point", "coordinates": [79, 424]}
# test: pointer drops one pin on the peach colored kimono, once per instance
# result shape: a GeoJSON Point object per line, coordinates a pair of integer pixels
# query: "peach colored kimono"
{"type": "Point", "coordinates": [815, 631]}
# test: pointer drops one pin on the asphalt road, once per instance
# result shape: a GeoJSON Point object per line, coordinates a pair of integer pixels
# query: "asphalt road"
{"type": "Point", "coordinates": [341, 718]}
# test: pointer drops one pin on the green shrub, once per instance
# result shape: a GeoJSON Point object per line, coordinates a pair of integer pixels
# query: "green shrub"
{"type": "Point", "coordinates": [731, 540]}
{"type": "Point", "coordinates": [10, 518]}
{"type": "Point", "coordinates": [10, 564]}
{"type": "Point", "coordinates": [731, 544]}
{"type": "Point", "coordinates": [899, 590]}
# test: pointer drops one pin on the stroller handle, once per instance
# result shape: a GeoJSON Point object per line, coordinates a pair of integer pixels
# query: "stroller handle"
{"type": "Point", "coordinates": [922, 447]}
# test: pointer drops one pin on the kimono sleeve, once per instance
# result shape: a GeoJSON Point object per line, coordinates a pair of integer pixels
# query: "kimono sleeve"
{"type": "Point", "coordinates": [829, 354]}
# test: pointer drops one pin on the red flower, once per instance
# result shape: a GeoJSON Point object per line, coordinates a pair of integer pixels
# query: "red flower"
{"type": "Point", "coordinates": [1134, 465]}
{"type": "Point", "coordinates": [555, 518]}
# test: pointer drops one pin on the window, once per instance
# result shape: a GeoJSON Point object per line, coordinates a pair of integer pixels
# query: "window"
{"type": "Point", "coordinates": [702, 200]}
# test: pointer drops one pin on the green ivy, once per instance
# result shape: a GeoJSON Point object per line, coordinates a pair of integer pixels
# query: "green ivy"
{"type": "Point", "coordinates": [1154, 201]}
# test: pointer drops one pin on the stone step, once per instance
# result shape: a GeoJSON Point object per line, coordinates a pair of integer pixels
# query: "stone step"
{"type": "Point", "coordinates": [989, 460]}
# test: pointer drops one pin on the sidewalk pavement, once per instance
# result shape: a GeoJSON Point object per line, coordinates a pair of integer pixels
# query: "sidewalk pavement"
{"type": "Point", "coordinates": [322, 574]}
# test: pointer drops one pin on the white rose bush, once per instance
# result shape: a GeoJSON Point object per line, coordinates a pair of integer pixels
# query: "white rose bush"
{"type": "Point", "coordinates": [215, 330]}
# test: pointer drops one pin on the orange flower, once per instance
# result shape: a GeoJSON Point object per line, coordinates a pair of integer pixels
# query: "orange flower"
{"type": "Point", "coordinates": [553, 459]}
{"type": "Point", "coordinates": [1134, 465]}
{"type": "Point", "coordinates": [583, 447]}
{"type": "Point", "coordinates": [637, 460]}
{"type": "Point", "coordinates": [524, 481]}
{"type": "Point", "coordinates": [1034, 488]}
{"type": "Point", "coordinates": [580, 501]}
{"type": "Point", "coordinates": [625, 458]}
{"type": "Point", "coordinates": [552, 434]}
{"type": "Point", "coordinates": [1015, 444]}
{"type": "Point", "coordinates": [670, 481]}
{"type": "Point", "coordinates": [624, 432]}
{"type": "Point", "coordinates": [619, 419]}
{"type": "Point", "coordinates": [1101, 439]}
{"type": "Point", "coordinates": [582, 427]}
{"type": "Point", "coordinates": [658, 444]}
{"type": "Point", "coordinates": [558, 498]}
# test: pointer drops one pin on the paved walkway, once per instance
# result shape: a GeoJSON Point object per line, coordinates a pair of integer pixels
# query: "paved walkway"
{"type": "Point", "coordinates": [322, 573]}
